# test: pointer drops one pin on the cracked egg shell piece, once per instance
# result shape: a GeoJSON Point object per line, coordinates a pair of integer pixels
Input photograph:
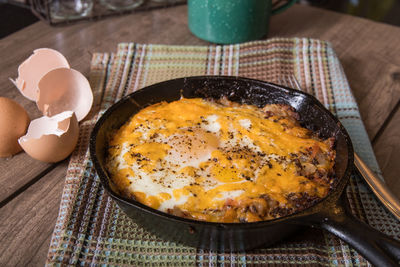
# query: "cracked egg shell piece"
{"type": "Point", "coordinates": [51, 139]}
{"type": "Point", "coordinates": [64, 89]}
{"type": "Point", "coordinates": [35, 67]}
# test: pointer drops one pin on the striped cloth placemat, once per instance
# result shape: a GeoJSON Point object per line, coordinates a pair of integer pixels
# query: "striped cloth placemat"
{"type": "Point", "coordinates": [92, 230]}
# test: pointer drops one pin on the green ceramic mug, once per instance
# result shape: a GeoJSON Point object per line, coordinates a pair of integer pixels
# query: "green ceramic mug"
{"type": "Point", "coordinates": [231, 21]}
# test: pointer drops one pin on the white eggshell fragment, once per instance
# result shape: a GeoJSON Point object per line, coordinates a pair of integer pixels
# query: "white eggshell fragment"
{"type": "Point", "coordinates": [51, 139]}
{"type": "Point", "coordinates": [64, 89]}
{"type": "Point", "coordinates": [35, 67]}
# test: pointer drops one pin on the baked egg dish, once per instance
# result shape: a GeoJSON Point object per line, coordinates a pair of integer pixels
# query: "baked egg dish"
{"type": "Point", "coordinates": [220, 161]}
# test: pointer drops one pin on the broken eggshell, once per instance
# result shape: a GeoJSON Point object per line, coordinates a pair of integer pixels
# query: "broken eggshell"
{"type": "Point", "coordinates": [64, 89]}
{"type": "Point", "coordinates": [51, 139]}
{"type": "Point", "coordinates": [35, 67]}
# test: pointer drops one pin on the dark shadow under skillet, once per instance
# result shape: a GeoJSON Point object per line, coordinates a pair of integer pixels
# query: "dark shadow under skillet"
{"type": "Point", "coordinates": [330, 213]}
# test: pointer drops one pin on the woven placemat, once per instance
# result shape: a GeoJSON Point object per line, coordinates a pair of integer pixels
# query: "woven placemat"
{"type": "Point", "coordinates": [92, 230]}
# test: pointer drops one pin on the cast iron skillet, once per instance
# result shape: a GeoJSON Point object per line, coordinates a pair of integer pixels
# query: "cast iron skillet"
{"type": "Point", "coordinates": [331, 213]}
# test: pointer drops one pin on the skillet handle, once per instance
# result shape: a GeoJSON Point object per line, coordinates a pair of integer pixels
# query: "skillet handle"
{"type": "Point", "coordinates": [376, 247]}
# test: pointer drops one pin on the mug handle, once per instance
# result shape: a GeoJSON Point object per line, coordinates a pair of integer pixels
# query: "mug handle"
{"type": "Point", "coordinates": [283, 7]}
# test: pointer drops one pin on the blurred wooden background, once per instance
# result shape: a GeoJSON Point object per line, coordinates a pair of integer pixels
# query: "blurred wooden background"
{"type": "Point", "coordinates": [16, 14]}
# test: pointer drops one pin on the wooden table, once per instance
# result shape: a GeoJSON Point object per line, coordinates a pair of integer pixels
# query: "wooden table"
{"type": "Point", "coordinates": [30, 190]}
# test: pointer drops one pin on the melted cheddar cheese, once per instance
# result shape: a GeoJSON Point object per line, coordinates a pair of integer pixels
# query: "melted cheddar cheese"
{"type": "Point", "coordinates": [220, 162]}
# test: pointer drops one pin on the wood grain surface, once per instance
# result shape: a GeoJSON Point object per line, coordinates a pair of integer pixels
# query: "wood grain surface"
{"type": "Point", "coordinates": [30, 191]}
{"type": "Point", "coordinates": [27, 221]}
{"type": "Point", "coordinates": [386, 148]}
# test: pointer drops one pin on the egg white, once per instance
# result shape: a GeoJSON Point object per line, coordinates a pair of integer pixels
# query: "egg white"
{"type": "Point", "coordinates": [164, 180]}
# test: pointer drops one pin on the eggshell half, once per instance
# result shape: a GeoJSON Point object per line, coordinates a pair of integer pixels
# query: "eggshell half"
{"type": "Point", "coordinates": [13, 124]}
{"type": "Point", "coordinates": [35, 67]}
{"type": "Point", "coordinates": [64, 89]}
{"type": "Point", "coordinates": [51, 139]}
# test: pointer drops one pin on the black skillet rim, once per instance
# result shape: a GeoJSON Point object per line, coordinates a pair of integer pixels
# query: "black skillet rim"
{"type": "Point", "coordinates": [332, 196]}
